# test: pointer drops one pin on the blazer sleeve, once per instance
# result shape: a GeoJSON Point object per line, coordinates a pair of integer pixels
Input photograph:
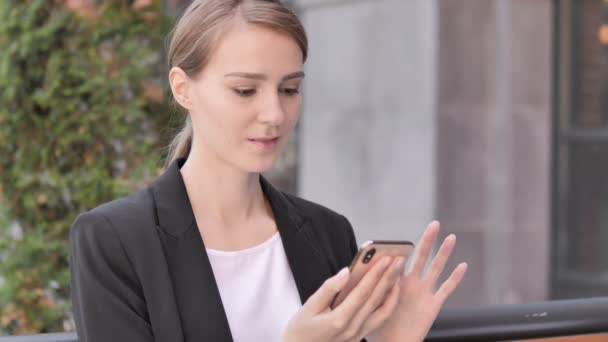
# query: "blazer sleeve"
{"type": "Point", "coordinates": [352, 247]}
{"type": "Point", "coordinates": [106, 295]}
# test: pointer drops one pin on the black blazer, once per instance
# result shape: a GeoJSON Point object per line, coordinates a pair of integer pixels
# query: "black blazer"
{"type": "Point", "coordinates": [140, 272]}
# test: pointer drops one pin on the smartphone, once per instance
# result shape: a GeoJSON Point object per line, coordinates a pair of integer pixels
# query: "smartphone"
{"type": "Point", "coordinates": [369, 253]}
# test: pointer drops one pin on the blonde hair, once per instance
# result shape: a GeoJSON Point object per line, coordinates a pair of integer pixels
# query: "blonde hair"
{"type": "Point", "coordinates": [197, 31]}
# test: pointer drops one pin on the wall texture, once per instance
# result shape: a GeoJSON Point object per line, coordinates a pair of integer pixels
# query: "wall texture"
{"type": "Point", "coordinates": [494, 119]}
{"type": "Point", "coordinates": [367, 135]}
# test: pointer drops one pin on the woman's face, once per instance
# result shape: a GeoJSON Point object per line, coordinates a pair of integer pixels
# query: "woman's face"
{"type": "Point", "coordinates": [246, 101]}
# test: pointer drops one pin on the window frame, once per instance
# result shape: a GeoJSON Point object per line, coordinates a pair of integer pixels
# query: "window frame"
{"type": "Point", "coordinates": [565, 134]}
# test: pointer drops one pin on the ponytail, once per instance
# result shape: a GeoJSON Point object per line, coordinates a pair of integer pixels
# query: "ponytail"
{"type": "Point", "coordinates": [181, 144]}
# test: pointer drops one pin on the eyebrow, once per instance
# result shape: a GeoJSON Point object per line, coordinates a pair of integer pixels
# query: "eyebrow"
{"type": "Point", "coordinates": [262, 77]}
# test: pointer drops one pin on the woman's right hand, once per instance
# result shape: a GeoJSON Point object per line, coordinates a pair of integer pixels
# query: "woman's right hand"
{"type": "Point", "coordinates": [365, 308]}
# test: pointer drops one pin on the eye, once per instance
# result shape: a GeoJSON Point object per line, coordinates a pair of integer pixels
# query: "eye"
{"type": "Point", "coordinates": [289, 91]}
{"type": "Point", "coordinates": [244, 92]}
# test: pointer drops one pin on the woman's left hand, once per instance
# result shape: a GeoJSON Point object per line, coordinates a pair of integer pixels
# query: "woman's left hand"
{"type": "Point", "coordinates": [419, 303]}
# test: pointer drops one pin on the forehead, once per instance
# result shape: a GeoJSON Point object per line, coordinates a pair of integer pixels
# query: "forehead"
{"type": "Point", "coordinates": [248, 47]}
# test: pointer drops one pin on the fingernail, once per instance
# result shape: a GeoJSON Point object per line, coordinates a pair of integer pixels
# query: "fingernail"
{"type": "Point", "coordinates": [401, 263]}
{"type": "Point", "coordinates": [343, 272]}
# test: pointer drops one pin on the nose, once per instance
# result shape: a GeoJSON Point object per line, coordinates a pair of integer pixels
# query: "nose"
{"type": "Point", "coordinates": [272, 112]}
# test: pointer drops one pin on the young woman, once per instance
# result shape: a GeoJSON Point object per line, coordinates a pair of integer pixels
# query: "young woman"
{"type": "Point", "coordinates": [211, 251]}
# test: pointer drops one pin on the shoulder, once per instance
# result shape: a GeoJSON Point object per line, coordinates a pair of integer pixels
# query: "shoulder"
{"type": "Point", "coordinates": [115, 224]}
{"type": "Point", "coordinates": [332, 229]}
{"type": "Point", "coordinates": [319, 213]}
{"type": "Point", "coordinates": [132, 210]}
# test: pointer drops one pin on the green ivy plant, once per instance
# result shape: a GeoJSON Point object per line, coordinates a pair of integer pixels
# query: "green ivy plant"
{"type": "Point", "coordinates": [82, 109]}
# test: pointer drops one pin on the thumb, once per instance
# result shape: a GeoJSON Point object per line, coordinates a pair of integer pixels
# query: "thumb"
{"type": "Point", "coordinates": [321, 299]}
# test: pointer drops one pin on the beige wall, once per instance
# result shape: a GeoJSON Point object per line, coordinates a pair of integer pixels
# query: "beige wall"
{"type": "Point", "coordinates": [494, 120]}
{"type": "Point", "coordinates": [367, 130]}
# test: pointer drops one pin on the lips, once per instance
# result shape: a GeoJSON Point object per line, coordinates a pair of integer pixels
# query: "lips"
{"type": "Point", "coordinates": [265, 143]}
{"type": "Point", "coordinates": [265, 140]}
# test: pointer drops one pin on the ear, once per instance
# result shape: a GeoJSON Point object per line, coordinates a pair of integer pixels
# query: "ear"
{"type": "Point", "coordinates": [180, 86]}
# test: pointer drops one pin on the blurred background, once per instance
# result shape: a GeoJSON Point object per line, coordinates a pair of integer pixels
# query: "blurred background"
{"type": "Point", "coordinates": [488, 115]}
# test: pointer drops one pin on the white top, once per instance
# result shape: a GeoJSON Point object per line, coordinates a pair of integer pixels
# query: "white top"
{"type": "Point", "coordinates": [257, 289]}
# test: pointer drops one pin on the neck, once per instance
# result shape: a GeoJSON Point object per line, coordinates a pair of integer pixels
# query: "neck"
{"type": "Point", "coordinates": [219, 192]}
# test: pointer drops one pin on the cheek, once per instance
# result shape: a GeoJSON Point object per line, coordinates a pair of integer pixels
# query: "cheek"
{"type": "Point", "coordinates": [221, 110]}
{"type": "Point", "coordinates": [221, 116]}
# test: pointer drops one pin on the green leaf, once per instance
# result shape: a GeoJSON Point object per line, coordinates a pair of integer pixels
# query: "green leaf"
{"type": "Point", "coordinates": [63, 108]}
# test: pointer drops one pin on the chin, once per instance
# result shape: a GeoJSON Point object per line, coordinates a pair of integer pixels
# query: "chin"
{"type": "Point", "coordinates": [262, 167]}
{"type": "Point", "coordinates": [260, 164]}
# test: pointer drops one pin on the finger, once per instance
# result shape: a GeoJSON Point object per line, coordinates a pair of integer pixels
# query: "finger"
{"type": "Point", "coordinates": [320, 300]}
{"type": "Point", "coordinates": [438, 263]}
{"type": "Point", "coordinates": [424, 247]}
{"type": "Point", "coordinates": [383, 313]}
{"type": "Point", "coordinates": [355, 299]}
{"type": "Point", "coordinates": [382, 289]}
{"type": "Point", "coordinates": [451, 283]}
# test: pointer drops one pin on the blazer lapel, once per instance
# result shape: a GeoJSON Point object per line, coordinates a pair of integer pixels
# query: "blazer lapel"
{"type": "Point", "coordinates": [196, 293]}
